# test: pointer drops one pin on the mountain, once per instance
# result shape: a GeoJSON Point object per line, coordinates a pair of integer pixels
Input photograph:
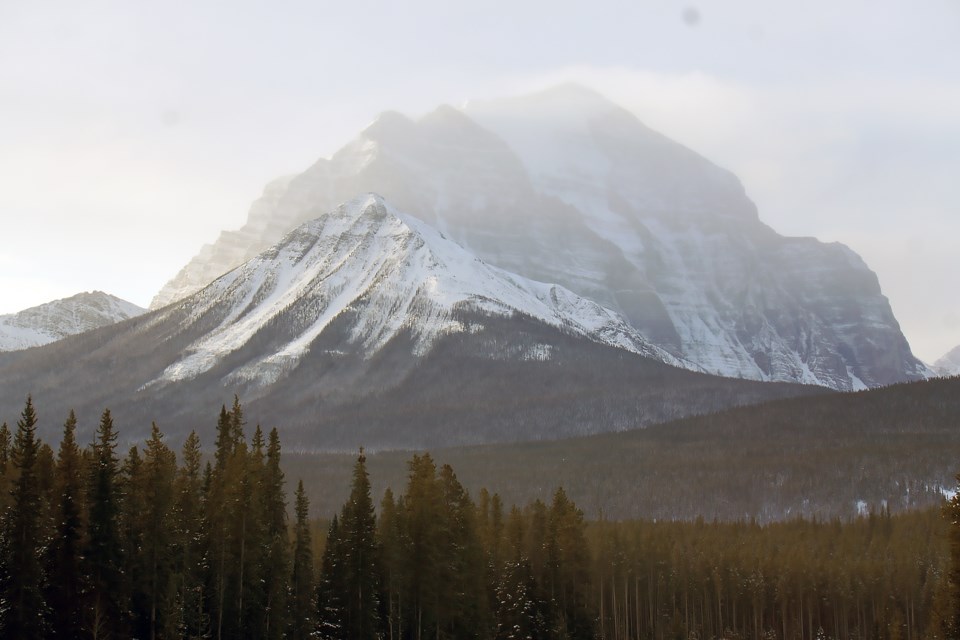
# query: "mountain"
{"type": "Point", "coordinates": [949, 364]}
{"type": "Point", "coordinates": [66, 317]}
{"type": "Point", "coordinates": [564, 186]}
{"type": "Point", "coordinates": [367, 326]}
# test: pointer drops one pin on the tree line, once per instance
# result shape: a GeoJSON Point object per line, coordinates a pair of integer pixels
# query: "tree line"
{"type": "Point", "coordinates": [95, 545]}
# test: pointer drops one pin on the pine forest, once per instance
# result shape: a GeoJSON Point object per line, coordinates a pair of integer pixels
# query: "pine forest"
{"type": "Point", "coordinates": [212, 543]}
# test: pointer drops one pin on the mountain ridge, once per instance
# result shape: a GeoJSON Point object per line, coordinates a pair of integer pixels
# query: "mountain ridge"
{"type": "Point", "coordinates": [58, 319]}
{"type": "Point", "coordinates": [366, 326]}
{"type": "Point", "coordinates": [592, 199]}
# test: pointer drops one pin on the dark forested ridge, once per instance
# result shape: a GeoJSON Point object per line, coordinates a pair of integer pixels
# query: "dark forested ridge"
{"type": "Point", "coordinates": [470, 388]}
{"type": "Point", "coordinates": [829, 456]}
{"type": "Point", "coordinates": [143, 545]}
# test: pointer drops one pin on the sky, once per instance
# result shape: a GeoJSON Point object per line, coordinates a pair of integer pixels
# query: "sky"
{"type": "Point", "coordinates": [131, 133]}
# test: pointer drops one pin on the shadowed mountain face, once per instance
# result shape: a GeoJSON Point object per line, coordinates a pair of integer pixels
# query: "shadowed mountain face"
{"type": "Point", "coordinates": [564, 186]}
{"type": "Point", "coordinates": [366, 326]}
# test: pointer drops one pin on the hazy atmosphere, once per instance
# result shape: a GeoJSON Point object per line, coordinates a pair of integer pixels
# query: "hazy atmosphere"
{"type": "Point", "coordinates": [133, 133]}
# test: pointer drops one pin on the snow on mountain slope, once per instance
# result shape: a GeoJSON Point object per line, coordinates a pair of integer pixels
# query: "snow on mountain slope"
{"type": "Point", "coordinates": [564, 186]}
{"type": "Point", "coordinates": [949, 364]}
{"type": "Point", "coordinates": [61, 318]}
{"type": "Point", "coordinates": [395, 272]}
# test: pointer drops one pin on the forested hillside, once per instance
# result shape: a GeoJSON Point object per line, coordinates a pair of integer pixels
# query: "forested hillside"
{"type": "Point", "coordinates": [95, 544]}
{"type": "Point", "coordinates": [830, 456]}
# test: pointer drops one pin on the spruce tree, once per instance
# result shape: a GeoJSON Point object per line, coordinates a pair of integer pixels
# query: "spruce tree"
{"type": "Point", "coordinates": [188, 543]}
{"type": "Point", "coordinates": [22, 577]}
{"type": "Point", "coordinates": [302, 619]}
{"type": "Point", "coordinates": [360, 556]}
{"type": "Point", "coordinates": [103, 560]}
{"type": "Point", "coordinates": [390, 532]}
{"type": "Point", "coordinates": [276, 564]}
{"type": "Point", "coordinates": [158, 472]}
{"type": "Point", "coordinates": [5, 467]}
{"type": "Point", "coordinates": [423, 556]}
{"type": "Point", "coordinates": [331, 590]}
{"type": "Point", "coordinates": [65, 586]}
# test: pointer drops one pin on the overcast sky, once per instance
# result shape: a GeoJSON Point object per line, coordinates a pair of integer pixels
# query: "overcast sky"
{"type": "Point", "coordinates": [131, 133]}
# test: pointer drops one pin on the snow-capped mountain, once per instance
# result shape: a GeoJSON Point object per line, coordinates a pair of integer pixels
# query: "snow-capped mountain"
{"type": "Point", "coordinates": [367, 326]}
{"type": "Point", "coordinates": [564, 186]}
{"type": "Point", "coordinates": [949, 364]}
{"type": "Point", "coordinates": [66, 317]}
{"type": "Point", "coordinates": [393, 274]}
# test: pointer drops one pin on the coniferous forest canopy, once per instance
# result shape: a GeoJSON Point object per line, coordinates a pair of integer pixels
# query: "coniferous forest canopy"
{"type": "Point", "coordinates": [101, 543]}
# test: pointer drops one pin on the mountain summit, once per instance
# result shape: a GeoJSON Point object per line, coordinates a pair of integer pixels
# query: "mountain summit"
{"type": "Point", "coordinates": [564, 186]}
{"type": "Point", "coordinates": [66, 317]}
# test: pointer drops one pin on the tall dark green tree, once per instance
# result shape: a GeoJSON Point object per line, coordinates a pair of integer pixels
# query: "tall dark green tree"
{"type": "Point", "coordinates": [360, 557]}
{"type": "Point", "coordinates": [390, 532]}
{"type": "Point", "coordinates": [189, 562]}
{"type": "Point", "coordinates": [156, 617]}
{"type": "Point", "coordinates": [423, 555]}
{"type": "Point", "coordinates": [302, 588]}
{"type": "Point", "coordinates": [6, 444]}
{"type": "Point", "coordinates": [65, 585]}
{"type": "Point", "coordinates": [103, 559]}
{"type": "Point", "coordinates": [275, 569]}
{"type": "Point", "coordinates": [331, 590]}
{"type": "Point", "coordinates": [568, 566]}
{"type": "Point", "coordinates": [950, 609]}
{"type": "Point", "coordinates": [463, 599]}
{"type": "Point", "coordinates": [22, 577]}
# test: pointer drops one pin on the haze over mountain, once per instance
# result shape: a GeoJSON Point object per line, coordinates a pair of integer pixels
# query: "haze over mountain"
{"type": "Point", "coordinates": [564, 186]}
{"type": "Point", "coordinates": [367, 326]}
{"type": "Point", "coordinates": [54, 320]}
{"type": "Point", "coordinates": [949, 364]}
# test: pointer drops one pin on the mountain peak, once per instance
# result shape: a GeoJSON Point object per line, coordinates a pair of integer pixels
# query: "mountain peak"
{"type": "Point", "coordinates": [392, 274]}
{"type": "Point", "coordinates": [949, 364]}
{"type": "Point", "coordinates": [58, 319]}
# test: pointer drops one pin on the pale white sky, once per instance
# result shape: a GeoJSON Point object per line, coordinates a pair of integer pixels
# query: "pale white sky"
{"type": "Point", "coordinates": [131, 133]}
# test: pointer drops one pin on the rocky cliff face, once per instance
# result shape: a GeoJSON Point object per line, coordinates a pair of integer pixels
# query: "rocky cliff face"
{"type": "Point", "coordinates": [566, 187]}
{"type": "Point", "coordinates": [55, 320]}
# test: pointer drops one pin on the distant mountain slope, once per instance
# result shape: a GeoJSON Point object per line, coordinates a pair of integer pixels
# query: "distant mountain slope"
{"type": "Point", "coordinates": [366, 326]}
{"type": "Point", "coordinates": [564, 186]}
{"type": "Point", "coordinates": [55, 320]}
{"type": "Point", "coordinates": [949, 364]}
{"type": "Point", "coordinates": [837, 455]}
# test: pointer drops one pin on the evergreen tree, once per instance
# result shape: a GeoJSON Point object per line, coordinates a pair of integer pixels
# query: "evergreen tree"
{"type": "Point", "coordinates": [390, 533]}
{"type": "Point", "coordinates": [360, 557]}
{"type": "Point", "coordinates": [463, 598]}
{"type": "Point", "coordinates": [103, 559]}
{"type": "Point", "coordinates": [276, 570]}
{"type": "Point", "coordinates": [951, 615]}
{"type": "Point", "coordinates": [188, 540]}
{"type": "Point", "coordinates": [331, 591]}
{"type": "Point", "coordinates": [521, 615]}
{"type": "Point", "coordinates": [302, 587]}
{"type": "Point", "coordinates": [156, 617]}
{"type": "Point", "coordinates": [423, 556]}
{"type": "Point", "coordinates": [5, 467]}
{"type": "Point", "coordinates": [65, 587]}
{"type": "Point", "coordinates": [568, 561]}
{"type": "Point", "coordinates": [22, 577]}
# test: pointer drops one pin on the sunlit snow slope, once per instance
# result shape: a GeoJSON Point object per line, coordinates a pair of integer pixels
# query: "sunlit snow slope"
{"type": "Point", "coordinates": [55, 320]}
{"type": "Point", "coordinates": [395, 274]}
